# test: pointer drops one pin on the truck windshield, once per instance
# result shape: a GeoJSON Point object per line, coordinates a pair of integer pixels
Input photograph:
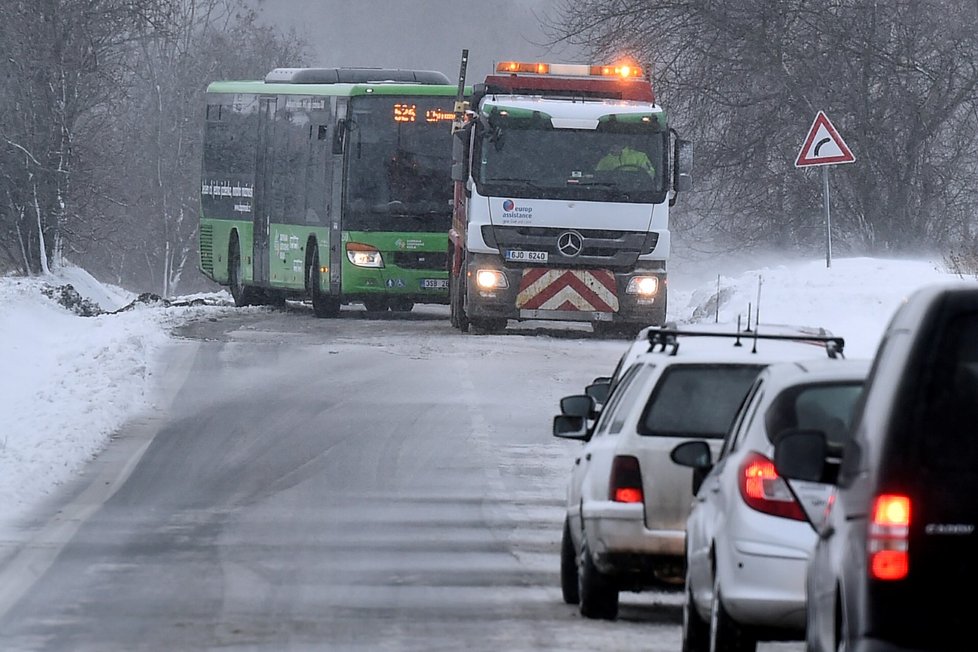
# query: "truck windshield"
{"type": "Point", "coordinates": [399, 156]}
{"type": "Point", "coordinates": [531, 159]}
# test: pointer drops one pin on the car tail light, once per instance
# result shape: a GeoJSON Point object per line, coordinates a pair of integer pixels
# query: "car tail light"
{"type": "Point", "coordinates": [889, 532]}
{"type": "Point", "coordinates": [626, 480]}
{"type": "Point", "coordinates": [764, 490]}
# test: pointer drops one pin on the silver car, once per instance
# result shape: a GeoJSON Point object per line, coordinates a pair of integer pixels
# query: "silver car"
{"type": "Point", "coordinates": [627, 503]}
{"type": "Point", "coordinates": [748, 541]}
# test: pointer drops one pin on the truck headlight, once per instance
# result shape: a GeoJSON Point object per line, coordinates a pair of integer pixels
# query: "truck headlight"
{"type": "Point", "coordinates": [491, 279]}
{"type": "Point", "coordinates": [364, 255]}
{"type": "Point", "coordinates": [644, 286]}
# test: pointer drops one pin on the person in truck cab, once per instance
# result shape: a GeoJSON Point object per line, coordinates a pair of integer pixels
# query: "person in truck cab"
{"type": "Point", "coordinates": [624, 158]}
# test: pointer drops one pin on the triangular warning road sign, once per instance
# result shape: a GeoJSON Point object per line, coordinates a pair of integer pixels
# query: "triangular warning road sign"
{"type": "Point", "coordinates": [823, 145]}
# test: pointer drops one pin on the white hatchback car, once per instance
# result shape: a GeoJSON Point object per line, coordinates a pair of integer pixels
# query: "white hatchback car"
{"type": "Point", "coordinates": [627, 503]}
{"type": "Point", "coordinates": [748, 542]}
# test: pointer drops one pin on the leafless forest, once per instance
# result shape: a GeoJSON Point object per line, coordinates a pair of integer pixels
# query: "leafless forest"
{"type": "Point", "coordinates": [101, 104]}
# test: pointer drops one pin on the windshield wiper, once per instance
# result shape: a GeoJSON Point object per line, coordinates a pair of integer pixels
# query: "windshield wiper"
{"type": "Point", "coordinates": [523, 182]}
{"type": "Point", "coordinates": [593, 184]}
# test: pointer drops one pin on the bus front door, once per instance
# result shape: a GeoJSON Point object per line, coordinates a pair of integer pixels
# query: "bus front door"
{"type": "Point", "coordinates": [263, 178]}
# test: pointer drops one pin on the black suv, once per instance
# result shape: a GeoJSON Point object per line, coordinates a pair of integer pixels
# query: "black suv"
{"type": "Point", "coordinates": [896, 563]}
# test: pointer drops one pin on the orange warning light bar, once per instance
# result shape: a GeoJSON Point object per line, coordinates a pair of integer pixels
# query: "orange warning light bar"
{"type": "Point", "coordinates": [623, 70]}
{"type": "Point", "coordinates": [522, 66]}
{"type": "Point", "coordinates": [619, 70]}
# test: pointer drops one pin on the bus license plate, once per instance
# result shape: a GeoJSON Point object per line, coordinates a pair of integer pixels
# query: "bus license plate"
{"type": "Point", "coordinates": [434, 284]}
{"type": "Point", "coordinates": [520, 256]}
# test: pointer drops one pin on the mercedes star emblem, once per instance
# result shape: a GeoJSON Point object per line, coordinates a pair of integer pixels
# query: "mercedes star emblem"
{"type": "Point", "coordinates": [570, 243]}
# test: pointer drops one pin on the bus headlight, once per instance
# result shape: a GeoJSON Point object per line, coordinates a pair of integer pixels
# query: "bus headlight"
{"type": "Point", "coordinates": [364, 255]}
{"type": "Point", "coordinates": [645, 286]}
{"type": "Point", "coordinates": [491, 279]}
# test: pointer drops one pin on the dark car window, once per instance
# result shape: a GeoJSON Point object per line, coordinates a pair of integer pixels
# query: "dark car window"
{"type": "Point", "coordinates": [950, 415]}
{"type": "Point", "coordinates": [697, 400]}
{"type": "Point", "coordinates": [827, 407]}
{"type": "Point", "coordinates": [608, 413]}
{"type": "Point", "coordinates": [744, 418]}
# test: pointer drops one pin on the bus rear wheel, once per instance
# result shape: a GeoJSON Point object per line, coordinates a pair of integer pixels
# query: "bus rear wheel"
{"type": "Point", "coordinates": [243, 295]}
{"type": "Point", "coordinates": [323, 305]}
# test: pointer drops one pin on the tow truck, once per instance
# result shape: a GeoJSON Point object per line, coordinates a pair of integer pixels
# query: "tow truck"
{"type": "Point", "coordinates": [563, 176]}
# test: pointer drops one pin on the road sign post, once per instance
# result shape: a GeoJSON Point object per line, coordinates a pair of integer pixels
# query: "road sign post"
{"type": "Point", "coordinates": [824, 147]}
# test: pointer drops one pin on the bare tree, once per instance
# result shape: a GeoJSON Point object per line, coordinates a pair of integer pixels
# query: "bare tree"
{"type": "Point", "coordinates": [60, 58]}
{"type": "Point", "coordinates": [159, 124]}
{"type": "Point", "coordinates": [745, 80]}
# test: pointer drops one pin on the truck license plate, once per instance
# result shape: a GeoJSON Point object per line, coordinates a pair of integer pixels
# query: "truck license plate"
{"type": "Point", "coordinates": [521, 256]}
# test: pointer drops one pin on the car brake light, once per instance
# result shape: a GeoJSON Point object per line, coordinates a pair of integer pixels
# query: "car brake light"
{"type": "Point", "coordinates": [764, 490]}
{"type": "Point", "coordinates": [626, 480]}
{"type": "Point", "coordinates": [889, 532]}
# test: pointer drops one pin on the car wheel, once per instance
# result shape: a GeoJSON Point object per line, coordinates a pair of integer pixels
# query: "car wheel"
{"type": "Point", "coordinates": [568, 567]}
{"type": "Point", "coordinates": [597, 592]}
{"type": "Point", "coordinates": [726, 634]}
{"type": "Point", "coordinates": [696, 631]}
{"type": "Point", "coordinates": [841, 626]}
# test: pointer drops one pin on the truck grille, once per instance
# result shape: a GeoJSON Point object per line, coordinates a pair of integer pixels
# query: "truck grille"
{"type": "Point", "coordinates": [602, 247]}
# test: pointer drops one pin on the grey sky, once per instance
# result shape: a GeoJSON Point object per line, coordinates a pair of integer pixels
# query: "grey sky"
{"type": "Point", "coordinates": [426, 34]}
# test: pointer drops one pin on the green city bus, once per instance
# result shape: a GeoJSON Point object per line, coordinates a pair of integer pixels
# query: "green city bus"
{"type": "Point", "coordinates": [329, 184]}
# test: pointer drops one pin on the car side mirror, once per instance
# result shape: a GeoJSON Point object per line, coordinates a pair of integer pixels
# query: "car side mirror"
{"type": "Point", "coordinates": [696, 455]}
{"type": "Point", "coordinates": [580, 405]}
{"type": "Point", "coordinates": [567, 427]}
{"type": "Point", "coordinates": [599, 391]}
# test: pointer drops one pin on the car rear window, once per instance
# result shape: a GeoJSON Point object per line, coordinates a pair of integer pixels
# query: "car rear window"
{"type": "Point", "coordinates": [697, 400]}
{"type": "Point", "coordinates": [949, 436]}
{"type": "Point", "coordinates": [824, 406]}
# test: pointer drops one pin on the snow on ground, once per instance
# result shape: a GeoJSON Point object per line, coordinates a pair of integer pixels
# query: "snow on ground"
{"type": "Point", "coordinates": [68, 382]}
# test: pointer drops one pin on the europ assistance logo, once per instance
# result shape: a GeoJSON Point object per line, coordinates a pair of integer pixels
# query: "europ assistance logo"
{"type": "Point", "coordinates": [513, 213]}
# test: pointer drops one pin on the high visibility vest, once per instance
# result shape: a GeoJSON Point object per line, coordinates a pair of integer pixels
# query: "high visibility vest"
{"type": "Point", "coordinates": [626, 157]}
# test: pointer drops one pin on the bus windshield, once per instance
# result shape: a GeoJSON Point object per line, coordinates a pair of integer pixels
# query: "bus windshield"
{"type": "Point", "coordinates": [531, 159]}
{"type": "Point", "coordinates": [399, 164]}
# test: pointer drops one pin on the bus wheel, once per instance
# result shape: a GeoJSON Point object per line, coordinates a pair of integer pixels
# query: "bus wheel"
{"type": "Point", "coordinates": [243, 295]}
{"type": "Point", "coordinates": [401, 305]}
{"type": "Point", "coordinates": [375, 304]}
{"type": "Point", "coordinates": [323, 305]}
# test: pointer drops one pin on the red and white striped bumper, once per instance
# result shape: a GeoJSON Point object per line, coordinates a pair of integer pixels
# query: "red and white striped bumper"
{"type": "Point", "coordinates": [568, 290]}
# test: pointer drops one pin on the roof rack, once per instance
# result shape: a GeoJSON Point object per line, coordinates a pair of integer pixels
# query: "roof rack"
{"type": "Point", "coordinates": [668, 337]}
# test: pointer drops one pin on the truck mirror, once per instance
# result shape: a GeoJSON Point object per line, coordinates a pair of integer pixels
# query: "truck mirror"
{"type": "Point", "coordinates": [339, 136]}
{"type": "Point", "coordinates": [460, 154]}
{"type": "Point", "coordinates": [684, 166]}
